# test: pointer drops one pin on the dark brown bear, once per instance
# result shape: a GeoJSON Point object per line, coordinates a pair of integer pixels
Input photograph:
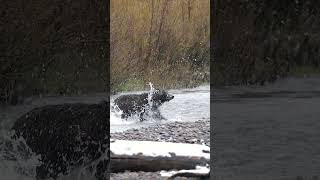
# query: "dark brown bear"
{"type": "Point", "coordinates": [138, 104]}
{"type": "Point", "coordinates": [67, 135]}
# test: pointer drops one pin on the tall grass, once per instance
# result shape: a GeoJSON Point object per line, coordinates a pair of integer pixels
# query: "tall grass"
{"type": "Point", "coordinates": [163, 41]}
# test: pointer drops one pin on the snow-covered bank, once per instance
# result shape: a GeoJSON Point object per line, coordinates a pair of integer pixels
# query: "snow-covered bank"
{"type": "Point", "coordinates": [197, 132]}
{"type": "Point", "coordinates": [164, 149]}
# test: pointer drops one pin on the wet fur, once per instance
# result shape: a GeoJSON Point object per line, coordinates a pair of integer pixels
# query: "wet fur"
{"type": "Point", "coordinates": [66, 135]}
{"type": "Point", "coordinates": [138, 104]}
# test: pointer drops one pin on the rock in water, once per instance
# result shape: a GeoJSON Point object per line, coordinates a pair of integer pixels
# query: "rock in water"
{"type": "Point", "coordinates": [67, 135]}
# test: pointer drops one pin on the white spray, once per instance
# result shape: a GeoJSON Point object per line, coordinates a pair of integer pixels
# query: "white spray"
{"type": "Point", "coordinates": [150, 94]}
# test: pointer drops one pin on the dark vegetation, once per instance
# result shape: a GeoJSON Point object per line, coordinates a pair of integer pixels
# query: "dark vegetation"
{"type": "Point", "coordinates": [53, 47]}
{"type": "Point", "coordinates": [259, 41]}
{"type": "Point", "coordinates": [162, 41]}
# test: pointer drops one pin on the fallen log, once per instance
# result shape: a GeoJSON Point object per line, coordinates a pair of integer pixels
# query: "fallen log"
{"type": "Point", "coordinates": [150, 156]}
{"type": "Point", "coordinates": [199, 171]}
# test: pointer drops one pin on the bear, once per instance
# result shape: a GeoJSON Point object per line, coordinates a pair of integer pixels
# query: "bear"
{"type": "Point", "coordinates": [139, 103]}
{"type": "Point", "coordinates": [66, 136]}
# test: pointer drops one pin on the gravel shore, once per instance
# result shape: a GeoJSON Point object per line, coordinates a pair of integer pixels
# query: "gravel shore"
{"type": "Point", "coordinates": [185, 132]}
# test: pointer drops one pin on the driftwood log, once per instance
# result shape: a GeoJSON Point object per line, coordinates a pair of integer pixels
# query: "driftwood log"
{"type": "Point", "coordinates": [202, 172]}
{"type": "Point", "coordinates": [151, 156]}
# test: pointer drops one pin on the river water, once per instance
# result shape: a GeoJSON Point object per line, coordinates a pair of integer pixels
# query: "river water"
{"type": "Point", "coordinates": [270, 132]}
{"type": "Point", "coordinates": [187, 105]}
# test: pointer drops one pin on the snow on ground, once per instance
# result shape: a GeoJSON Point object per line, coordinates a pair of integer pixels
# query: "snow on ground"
{"type": "Point", "coordinates": [200, 170]}
{"type": "Point", "coordinates": [165, 149]}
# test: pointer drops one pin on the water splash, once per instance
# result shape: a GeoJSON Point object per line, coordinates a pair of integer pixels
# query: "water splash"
{"type": "Point", "coordinates": [133, 121]}
{"type": "Point", "coordinates": [115, 112]}
{"type": "Point", "coordinates": [151, 94]}
{"type": "Point", "coordinates": [115, 116]}
{"type": "Point", "coordinates": [83, 172]}
{"type": "Point", "coordinates": [17, 161]}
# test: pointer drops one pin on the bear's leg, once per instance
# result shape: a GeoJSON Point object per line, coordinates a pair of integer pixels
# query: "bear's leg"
{"type": "Point", "coordinates": [157, 115]}
{"type": "Point", "coordinates": [102, 170]}
{"type": "Point", "coordinates": [124, 116]}
{"type": "Point", "coordinates": [141, 115]}
{"type": "Point", "coordinates": [44, 172]}
{"type": "Point", "coordinates": [50, 170]}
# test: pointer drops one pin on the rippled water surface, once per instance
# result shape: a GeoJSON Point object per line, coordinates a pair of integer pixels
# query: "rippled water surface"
{"type": "Point", "coordinates": [269, 132]}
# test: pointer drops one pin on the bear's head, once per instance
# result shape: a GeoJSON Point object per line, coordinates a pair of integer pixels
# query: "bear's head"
{"type": "Point", "coordinates": [161, 96]}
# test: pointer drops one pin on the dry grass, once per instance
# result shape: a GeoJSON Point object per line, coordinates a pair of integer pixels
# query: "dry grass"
{"type": "Point", "coordinates": [163, 41]}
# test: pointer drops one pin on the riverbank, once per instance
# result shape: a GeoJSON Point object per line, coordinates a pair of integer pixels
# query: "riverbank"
{"type": "Point", "coordinates": [197, 132]}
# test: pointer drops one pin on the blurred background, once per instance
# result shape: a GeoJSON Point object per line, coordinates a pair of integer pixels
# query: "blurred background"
{"type": "Point", "coordinates": [260, 41]}
{"type": "Point", "coordinates": [52, 48]}
{"type": "Point", "coordinates": [269, 131]}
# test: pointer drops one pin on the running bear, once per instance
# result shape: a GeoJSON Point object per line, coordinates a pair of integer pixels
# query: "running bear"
{"type": "Point", "coordinates": [140, 103]}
